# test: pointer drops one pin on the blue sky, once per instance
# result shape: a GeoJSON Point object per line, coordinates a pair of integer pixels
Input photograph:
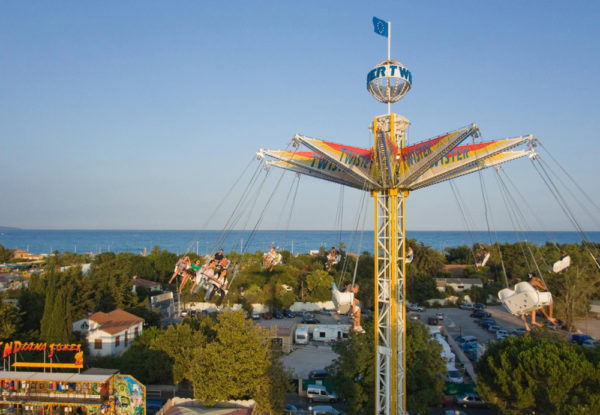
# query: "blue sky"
{"type": "Point", "coordinates": [142, 114]}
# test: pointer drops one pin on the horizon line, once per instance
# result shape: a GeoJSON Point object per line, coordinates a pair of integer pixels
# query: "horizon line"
{"type": "Point", "coordinates": [8, 228]}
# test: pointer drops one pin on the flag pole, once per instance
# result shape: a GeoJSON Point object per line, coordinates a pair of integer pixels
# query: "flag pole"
{"type": "Point", "coordinates": [389, 39]}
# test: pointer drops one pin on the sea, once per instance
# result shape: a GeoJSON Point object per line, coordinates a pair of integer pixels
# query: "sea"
{"type": "Point", "coordinates": [296, 241]}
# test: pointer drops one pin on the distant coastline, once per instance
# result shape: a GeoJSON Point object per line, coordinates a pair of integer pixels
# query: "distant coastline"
{"type": "Point", "coordinates": [203, 242]}
{"type": "Point", "coordinates": [9, 228]}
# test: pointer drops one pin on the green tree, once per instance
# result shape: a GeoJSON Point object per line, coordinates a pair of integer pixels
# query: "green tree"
{"type": "Point", "coordinates": [56, 325]}
{"type": "Point", "coordinates": [353, 371]}
{"type": "Point", "coordinates": [426, 260]}
{"type": "Point", "coordinates": [5, 254]}
{"type": "Point", "coordinates": [31, 304]}
{"type": "Point", "coordinates": [148, 365]}
{"type": "Point", "coordinates": [183, 345]}
{"type": "Point", "coordinates": [459, 255]}
{"type": "Point", "coordinates": [163, 263]}
{"type": "Point", "coordinates": [234, 364]}
{"type": "Point", "coordinates": [151, 318]}
{"type": "Point", "coordinates": [424, 369]}
{"type": "Point", "coordinates": [318, 285]}
{"type": "Point", "coordinates": [9, 319]}
{"type": "Point", "coordinates": [110, 279]}
{"type": "Point", "coordinates": [420, 287]}
{"type": "Point", "coordinates": [225, 359]}
{"type": "Point", "coordinates": [523, 374]}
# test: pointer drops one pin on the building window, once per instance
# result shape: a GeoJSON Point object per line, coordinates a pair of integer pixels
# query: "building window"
{"type": "Point", "coordinates": [98, 344]}
{"type": "Point", "coordinates": [126, 340]}
{"type": "Point", "coordinates": [117, 341]}
{"type": "Point", "coordinates": [136, 331]}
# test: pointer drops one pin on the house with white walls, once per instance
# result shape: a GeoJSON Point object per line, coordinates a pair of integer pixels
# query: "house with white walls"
{"type": "Point", "coordinates": [109, 333]}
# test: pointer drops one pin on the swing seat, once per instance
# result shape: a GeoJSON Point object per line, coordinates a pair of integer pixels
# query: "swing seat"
{"type": "Point", "coordinates": [336, 260]}
{"type": "Point", "coordinates": [341, 301]}
{"type": "Point", "coordinates": [561, 264]}
{"type": "Point", "coordinates": [276, 259]}
{"type": "Point", "coordinates": [483, 261]}
{"type": "Point", "coordinates": [271, 260]}
{"type": "Point", "coordinates": [524, 298]}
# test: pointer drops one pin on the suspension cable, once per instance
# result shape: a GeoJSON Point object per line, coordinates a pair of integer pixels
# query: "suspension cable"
{"type": "Point", "coordinates": [457, 199]}
{"type": "Point", "coordinates": [236, 213]}
{"type": "Point", "coordinates": [292, 206]}
{"type": "Point", "coordinates": [569, 176]}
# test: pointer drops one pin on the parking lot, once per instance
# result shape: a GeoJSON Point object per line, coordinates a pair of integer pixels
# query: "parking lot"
{"type": "Point", "coordinates": [458, 322]}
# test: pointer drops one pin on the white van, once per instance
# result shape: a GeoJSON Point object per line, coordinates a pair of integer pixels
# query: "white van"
{"type": "Point", "coordinates": [320, 393]}
{"type": "Point", "coordinates": [301, 335]}
{"type": "Point", "coordinates": [454, 375]}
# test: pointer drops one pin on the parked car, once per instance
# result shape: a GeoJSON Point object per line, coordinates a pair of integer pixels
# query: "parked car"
{"type": "Point", "coordinates": [278, 315]}
{"type": "Point", "coordinates": [454, 376]}
{"type": "Point", "coordinates": [267, 316]}
{"type": "Point", "coordinates": [481, 314]}
{"type": "Point", "coordinates": [466, 306]}
{"type": "Point", "coordinates": [479, 306]}
{"type": "Point", "coordinates": [493, 328]}
{"type": "Point", "coordinates": [255, 316]}
{"type": "Point", "coordinates": [501, 334]}
{"type": "Point", "coordinates": [288, 313]}
{"type": "Point", "coordinates": [518, 332]}
{"type": "Point", "coordinates": [184, 313]}
{"type": "Point", "coordinates": [469, 347]}
{"type": "Point", "coordinates": [324, 410]}
{"type": "Point", "coordinates": [327, 312]}
{"type": "Point", "coordinates": [290, 409]}
{"type": "Point", "coordinates": [461, 340]}
{"type": "Point", "coordinates": [414, 307]}
{"type": "Point", "coordinates": [320, 393]}
{"type": "Point", "coordinates": [488, 323]}
{"type": "Point", "coordinates": [310, 320]}
{"type": "Point", "coordinates": [304, 314]}
{"type": "Point", "coordinates": [589, 343]}
{"type": "Point", "coordinates": [439, 315]}
{"type": "Point", "coordinates": [414, 316]}
{"type": "Point", "coordinates": [470, 400]}
{"type": "Point", "coordinates": [433, 321]}
{"type": "Point", "coordinates": [580, 338]}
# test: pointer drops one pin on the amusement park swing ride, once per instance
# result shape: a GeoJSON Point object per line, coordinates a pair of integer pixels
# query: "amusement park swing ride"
{"type": "Point", "coordinates": [389, 171]}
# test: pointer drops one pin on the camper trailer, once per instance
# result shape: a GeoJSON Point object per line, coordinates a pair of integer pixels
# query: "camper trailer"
{"type": "Point", "coordinates": [301, 335]}
{"type": "Point", "coordinates": [326, 333]}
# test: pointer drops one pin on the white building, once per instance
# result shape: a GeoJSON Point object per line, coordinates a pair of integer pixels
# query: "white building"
{"type": "Point", "coordinates": [109, 333]}
{"type": "Point", "coordinates": [458, 284]}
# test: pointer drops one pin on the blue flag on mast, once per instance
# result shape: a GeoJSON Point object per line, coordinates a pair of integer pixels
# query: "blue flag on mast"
{"type": "Point", "coordinates": [380, 26]}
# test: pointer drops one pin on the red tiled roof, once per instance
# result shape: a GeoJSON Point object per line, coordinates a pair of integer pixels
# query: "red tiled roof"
{"type": "Point", "coordinates": [115, 321]}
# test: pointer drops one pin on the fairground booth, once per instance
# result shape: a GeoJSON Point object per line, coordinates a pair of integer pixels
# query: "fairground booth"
{"type": "Point", "coordinates": [48, 392]}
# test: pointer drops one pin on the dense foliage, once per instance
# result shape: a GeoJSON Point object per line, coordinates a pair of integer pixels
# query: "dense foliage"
{"type": "Point", "coordinates": [226, 359]}
{"type": "Point", "coordinates": [524, 374]}
{"type": "Point", "coordinates": [353, 371]}
{"type": "Point", "coordinates": [5, 254]}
